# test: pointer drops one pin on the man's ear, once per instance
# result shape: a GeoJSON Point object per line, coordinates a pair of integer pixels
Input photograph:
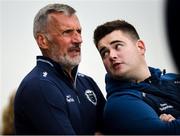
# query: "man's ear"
{"type": "Point", "coordinates": [141, 46]}
{"type": "Point", "coordinates": [42, 41]}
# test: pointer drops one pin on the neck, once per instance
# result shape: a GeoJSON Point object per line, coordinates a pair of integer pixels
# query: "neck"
{"type": "Point", "coordinates": [143, 74]}
{"type": "Point", "coordinates": [68, 71]}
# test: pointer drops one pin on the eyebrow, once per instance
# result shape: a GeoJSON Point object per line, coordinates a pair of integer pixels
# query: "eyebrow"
{"type": "Point", "coordinates": [113, 42]}
{"type": "Point", "coordinates": [116, 41]}
{"type": "Point", "coordinates": [101, 49]}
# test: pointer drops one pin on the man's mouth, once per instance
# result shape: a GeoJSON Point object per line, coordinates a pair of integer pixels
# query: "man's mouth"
{"type": "Point", "coordinates": [75, 49]}
{"type": "Point", "coordinates": [116, 65]}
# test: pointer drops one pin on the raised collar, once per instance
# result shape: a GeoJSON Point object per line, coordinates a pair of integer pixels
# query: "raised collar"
{"type": "Point", "coordinates": [112, 84]}
{"type": "Point", "coordinates": [42, 60]}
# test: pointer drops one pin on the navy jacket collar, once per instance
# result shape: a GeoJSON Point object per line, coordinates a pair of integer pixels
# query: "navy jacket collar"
{"type": "Point", "coordinates": [112, 84]}
{"type": "Point", "coordinates": [42, 60]}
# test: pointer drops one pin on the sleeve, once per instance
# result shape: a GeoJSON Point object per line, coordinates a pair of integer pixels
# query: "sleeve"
{"type": "Point", "coordinates": [128, 114]}
{"type": "Point", "coordinates": [45, 106]}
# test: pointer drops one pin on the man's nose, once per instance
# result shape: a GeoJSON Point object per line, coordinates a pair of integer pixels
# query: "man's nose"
{"type": "Point", "coordinates": [112, 54]}
{"type": "Point", "coordinates": [77, 38]}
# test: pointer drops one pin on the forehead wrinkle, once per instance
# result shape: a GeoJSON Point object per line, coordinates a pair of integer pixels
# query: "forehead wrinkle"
{"type": "Point", "coordinates": [52, 24]}
{"type": "Point", "coordinates": [53, 21]}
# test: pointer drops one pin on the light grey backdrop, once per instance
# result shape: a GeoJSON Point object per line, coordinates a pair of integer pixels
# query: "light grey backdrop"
{"type": "Point", "coordinates": [18, 47]}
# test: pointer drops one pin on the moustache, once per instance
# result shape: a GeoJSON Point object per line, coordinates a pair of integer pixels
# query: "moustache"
{"type": "Point", "coordinates": [75, 48]}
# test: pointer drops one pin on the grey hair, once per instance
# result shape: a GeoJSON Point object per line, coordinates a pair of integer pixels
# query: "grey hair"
{"type": "Point", "coordinates": [40, 20]}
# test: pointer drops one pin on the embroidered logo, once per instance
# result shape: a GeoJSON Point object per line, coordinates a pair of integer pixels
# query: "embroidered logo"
{"type": "Point", "coordinates": [79, 74]}
{"type": "Point", "coordinates": [177, 82]}
{"type": "Point", "coordinates": [165, 106]}
{"type": "Point", "coordinates": [91, 96]}
{"type": "Point", "coordinates": [69, 98]}
{"type": "Point", "coordinates": [45, 74]}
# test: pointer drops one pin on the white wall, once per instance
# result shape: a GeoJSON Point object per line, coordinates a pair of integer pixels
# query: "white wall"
{"type": "Point", "coordinates": [18, 48]}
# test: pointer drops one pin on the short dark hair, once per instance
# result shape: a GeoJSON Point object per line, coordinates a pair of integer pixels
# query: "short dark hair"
{"type": "Point", "coordinates": [108, 27]}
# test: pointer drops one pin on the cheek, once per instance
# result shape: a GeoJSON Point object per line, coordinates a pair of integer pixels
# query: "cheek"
{"type": "Point", "coordinates": [64, 40]}
{"type": "Point", "coordinates": [63, 45]}
{"type": "Point", "coordinates": [129, 54]}
{"type": "Point", "coordinates": [106, 64]}
{"type": "Point", "coordinates": [57, 50]}
{"type": "Point", "coordinates": [134, 58]}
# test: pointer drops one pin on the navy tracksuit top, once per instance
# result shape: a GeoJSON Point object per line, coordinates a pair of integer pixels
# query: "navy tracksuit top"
{"type": "Point", "coordinates": [49, 102]}
{"type": "Point", "coordinates": [134, 108]}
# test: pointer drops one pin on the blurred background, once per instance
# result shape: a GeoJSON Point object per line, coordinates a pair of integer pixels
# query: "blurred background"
{"type": "Point", "coordinates": [18, 49]}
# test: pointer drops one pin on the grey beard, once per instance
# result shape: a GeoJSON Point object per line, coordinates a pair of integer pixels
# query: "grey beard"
{"type": "Point", "coordinates": [67, 62]}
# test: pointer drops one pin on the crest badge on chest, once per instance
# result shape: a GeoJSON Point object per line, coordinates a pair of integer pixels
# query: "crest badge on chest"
{"type": "Point", "coordinates": [91, 96]}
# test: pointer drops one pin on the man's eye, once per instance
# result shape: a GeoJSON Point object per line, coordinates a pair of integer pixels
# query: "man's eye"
{"type": "Point", "coordinates": [79, 31]}
{"type": "Point", "coordinates": [104, 54]}
{"type": "Point", "coordinates": [68, 32]}
{"type": "Point", "coordinates": [118, 46]}
{"type": "Point", "coordinates": [71, 32]}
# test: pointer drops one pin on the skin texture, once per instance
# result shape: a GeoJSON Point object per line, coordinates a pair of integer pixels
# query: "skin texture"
{"type": "Point", "coordinates": [123, 57]}
{"type": "Point", "coordinates": [166, 117]}
{"type": "Point", "coordinates": [62, 42]}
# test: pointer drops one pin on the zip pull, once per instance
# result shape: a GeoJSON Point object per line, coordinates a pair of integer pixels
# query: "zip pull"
{"type": "Point", "coordinates": [164, 71]}
{"type": "Point", "coordinates": [78, 99]}
{"type": "Point", "coordinates": [143, 94]}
